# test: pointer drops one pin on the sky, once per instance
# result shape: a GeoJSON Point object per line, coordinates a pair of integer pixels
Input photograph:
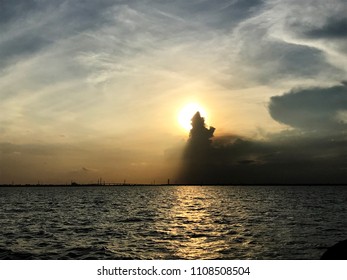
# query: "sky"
{"type": "Point", "coordinates": [92, 89]}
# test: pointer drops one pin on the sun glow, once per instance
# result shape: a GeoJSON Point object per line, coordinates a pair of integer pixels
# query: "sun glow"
{"type": "Point", "coordinates": [187, 112]}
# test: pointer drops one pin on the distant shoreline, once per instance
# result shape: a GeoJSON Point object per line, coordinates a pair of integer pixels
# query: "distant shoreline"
{"type": "Point", "coordinates": [159, 185]}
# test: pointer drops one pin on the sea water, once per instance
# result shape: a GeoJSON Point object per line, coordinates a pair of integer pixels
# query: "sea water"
{"type": "Point", "coordinates": [171, 222]}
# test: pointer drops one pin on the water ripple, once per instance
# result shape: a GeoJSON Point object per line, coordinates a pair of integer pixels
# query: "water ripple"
{"type": "Point", "coordinates": [171, 222]}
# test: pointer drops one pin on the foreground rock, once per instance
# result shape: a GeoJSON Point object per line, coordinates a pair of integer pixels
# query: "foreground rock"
{"type": "Point", "coordinates": [336, 252]}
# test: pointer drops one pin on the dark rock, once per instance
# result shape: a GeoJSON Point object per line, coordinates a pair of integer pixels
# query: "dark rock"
{"type": "Point", "coordinates": [336, 252]}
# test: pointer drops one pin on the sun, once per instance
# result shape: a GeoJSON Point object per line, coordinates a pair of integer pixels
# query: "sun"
{"type": "Point", "coordinates": [187, 112]}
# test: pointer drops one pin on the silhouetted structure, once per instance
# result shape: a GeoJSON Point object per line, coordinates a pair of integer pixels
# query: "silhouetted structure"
{"type": "Point", "coordinates": [197, 154]}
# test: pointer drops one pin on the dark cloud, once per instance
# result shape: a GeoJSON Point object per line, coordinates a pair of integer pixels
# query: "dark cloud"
{"type": "Point", "coordinates": [278, 60]}
{"type": "Point", "coordinates": [25, 44]}
{"type": "Point", "coordinates": [30, 26]}
{"type": "Point", "coordinates": [80, 14]}
{"type": "Point", "coordinates": [311, 109]}
{"type": "Point", "coordinates": [283, 60]}
{"type": "Point", "coordinates": [197, 154]}
{"type": "Point", "coordinates": [289, 160]}
{"type": "Point", "coordinates": [314, 153]}
{"type": "Point", "coordinates": [334, 28]}
{"type": "Point", "coordinates": [12, 10]}
{"type": "Point", "coordinates": [279, 49]}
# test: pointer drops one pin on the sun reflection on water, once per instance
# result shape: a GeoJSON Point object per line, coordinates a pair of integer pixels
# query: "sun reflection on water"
{"type": "Point", "coordinates": [194, 233]}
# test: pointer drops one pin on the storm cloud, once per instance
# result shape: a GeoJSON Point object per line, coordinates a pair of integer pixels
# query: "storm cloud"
{"type": "Point", "coordinates": [313, 151]}
{"type": "Point", "coordinates": [334, 28]}
{"type": "Point", "coordinates": [281, 160]}
{"type": "Point", "coordinates": [312, 108]}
